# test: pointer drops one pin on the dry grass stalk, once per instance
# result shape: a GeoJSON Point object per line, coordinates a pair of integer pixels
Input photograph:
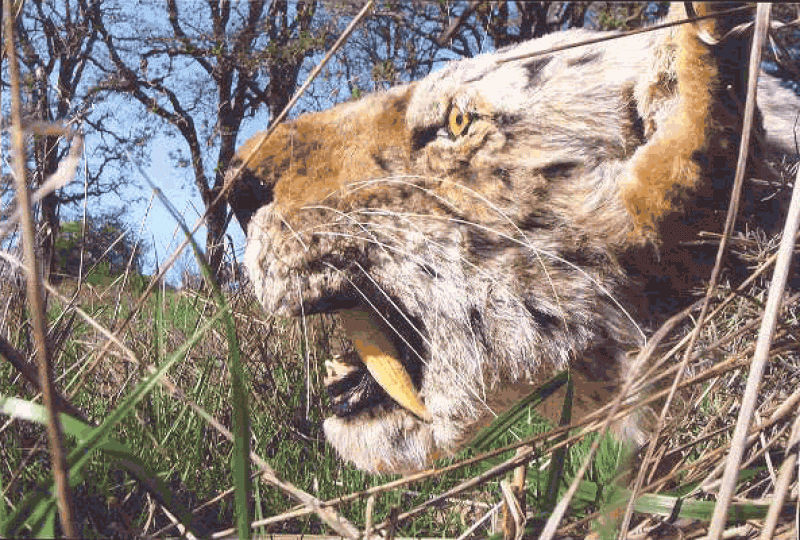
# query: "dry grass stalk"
{"type": "Point", "coordinates": [725, 495]}
{"type": "Point", "coordinates": [760, 357]}
{"type": "Point", "coordinates": [783, 483]}
{"type": "Point", "coordinates": [762, 20]}
{"type": "Point", "coordinates": [35, 300]}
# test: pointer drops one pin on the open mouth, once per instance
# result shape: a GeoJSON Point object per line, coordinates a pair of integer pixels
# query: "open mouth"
{"type": "Point", "coordinates": [385, 367]}
{"type": "Point", "coordinates": [384, 372]}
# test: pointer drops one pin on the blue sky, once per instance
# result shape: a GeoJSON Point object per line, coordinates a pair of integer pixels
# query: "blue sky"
{"type": "Point", "coordinates": [156, 226]}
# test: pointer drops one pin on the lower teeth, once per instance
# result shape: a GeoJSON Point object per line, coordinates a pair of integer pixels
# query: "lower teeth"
{"type": "Point", "coordinates": [336, 369]}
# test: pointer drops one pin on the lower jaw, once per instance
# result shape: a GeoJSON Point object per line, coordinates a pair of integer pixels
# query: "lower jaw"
{"type": "Point", "coordinates": [393, 443]}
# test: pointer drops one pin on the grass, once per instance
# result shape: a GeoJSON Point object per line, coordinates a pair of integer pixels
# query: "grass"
{"type": "Point", "coordinates": [190, 455]}
{"type": "Point", "coordinates": [180, 448]}
{"type": "Point", "coordinates": [159, 402]}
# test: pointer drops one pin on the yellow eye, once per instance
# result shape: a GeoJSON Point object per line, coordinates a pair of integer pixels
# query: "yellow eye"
{"type": "Point", "coordinates": [458, 121]}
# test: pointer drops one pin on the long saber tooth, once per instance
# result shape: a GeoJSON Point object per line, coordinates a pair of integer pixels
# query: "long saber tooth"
{"type": "Point", "coordinates": [380, 357]}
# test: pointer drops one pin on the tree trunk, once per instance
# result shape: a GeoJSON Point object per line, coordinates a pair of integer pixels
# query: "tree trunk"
{"type": "Point", "coordinates": [215, 238]}
{"type": "Point", "coordinates": [46, 159]}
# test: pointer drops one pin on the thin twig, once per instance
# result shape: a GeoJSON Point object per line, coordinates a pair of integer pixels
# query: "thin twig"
{"type": "Point", "coordinates": [784, 482]}
{"type": "Point", "coordinates": [760, 357]}
{"type": "Point", "coordinates": [733, 210]}
{"type": "Point", "coordinates": [35, 299]}
{"type": "Point", "coordinates": [644, 30]}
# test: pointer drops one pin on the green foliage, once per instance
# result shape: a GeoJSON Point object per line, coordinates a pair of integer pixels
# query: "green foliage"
{"type": "Point", "coordinates": [36, 509]}
{"type": "Point", "coordinates": [103, 248]}
{"type": "Point", "coordinates": [100, 274]}
{"type": "Point", "coordinates": [611, 21]}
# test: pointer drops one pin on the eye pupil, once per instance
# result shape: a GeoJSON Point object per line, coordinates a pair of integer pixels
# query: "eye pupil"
{"type": "Point", "coordinates": [459, 121]}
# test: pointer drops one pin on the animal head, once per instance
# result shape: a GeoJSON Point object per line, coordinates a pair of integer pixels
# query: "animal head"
{"type": "Point", "coordinates": [493, 223]}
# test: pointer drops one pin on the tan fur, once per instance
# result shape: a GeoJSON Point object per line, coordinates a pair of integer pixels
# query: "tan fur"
{"type": "Point", "coordinates": [664, 172]}
{"type": "Point", "coordinates": [528, 240]}
{"type": "Point", "coordinates": [322, 153]}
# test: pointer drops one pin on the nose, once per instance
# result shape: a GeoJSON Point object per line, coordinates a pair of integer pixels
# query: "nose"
{"type": "Point", "coordinates": [247, 195]}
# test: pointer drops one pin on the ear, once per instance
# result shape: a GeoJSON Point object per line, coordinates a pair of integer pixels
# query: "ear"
{"type": "Point", "coordinates": [703, 129]}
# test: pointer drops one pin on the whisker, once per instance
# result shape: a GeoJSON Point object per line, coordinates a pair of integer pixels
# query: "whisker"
{"type": "Point", "coordinates": [424, 339]}
{"type": "Point", "coordinates": [489, 204]}
{"type": "Point", "coordinates": [600, 287]}
{"type": "Point", "coordinates": [526, 242]}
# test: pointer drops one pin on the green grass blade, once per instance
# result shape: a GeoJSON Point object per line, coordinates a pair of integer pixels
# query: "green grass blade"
{"type": "Point", "coordinates": [93, 439]}
{"type": "Point", "coordinates": [48, 529]}
{"type": "Point", "coordinates": [241, 424]}
{"type": "Point", "coordinates": [241, 415]}
{"type": "Point", "coordinates": [43, 503]}
{"type": "Point", "coordinates": [666, 505]}
{"type": "Point", "coordinates": [241, 432]}
{"type": "Point", "coordinates": [503, 422]}
{"type": "Point", "coordinates": [556, 472]}
{"type": "Point", "coordinates": [670, 506]}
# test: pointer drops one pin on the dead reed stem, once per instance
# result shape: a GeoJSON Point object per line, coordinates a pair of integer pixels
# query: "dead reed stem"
{"type": "Point", "coordinates": [34, 292]}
